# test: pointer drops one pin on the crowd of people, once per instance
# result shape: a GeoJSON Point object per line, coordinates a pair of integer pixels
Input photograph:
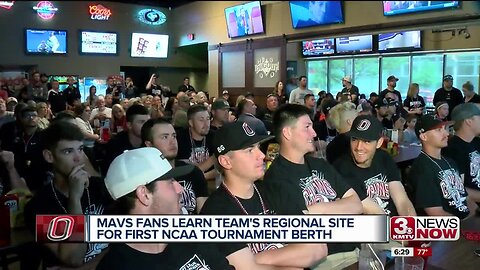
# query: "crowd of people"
{"type": "Point", "coordinates": [133, 152]}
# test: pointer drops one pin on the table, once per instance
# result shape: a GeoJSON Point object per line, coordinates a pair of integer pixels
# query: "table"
{"type": "Point", "coordinates": [21, 249]}
{"type": "Point", "coordinates": [448, 255]}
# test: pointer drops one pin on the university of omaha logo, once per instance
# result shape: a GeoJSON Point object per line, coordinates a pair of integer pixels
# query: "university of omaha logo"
{"type": "Point", "coordinates": [363, 125]}
{"type": "Point", "coordinates": [248, 130]}
{"type": "Point", "coordinates": [475, 168]}
{"type": "Point", "coordinates": [453, 190]}
{"type": "Point", "coordinates": [316, 189]}
{"type": "Point", "coordinates": [377, 189]}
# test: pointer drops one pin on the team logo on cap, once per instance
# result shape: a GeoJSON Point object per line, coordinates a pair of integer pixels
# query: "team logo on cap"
{"type": "Point", "coordinates": [221, 148]}
{"type": "Point", "coordinates": [248, 131]}
{"type": "Point", "coordinates": [363, 125]}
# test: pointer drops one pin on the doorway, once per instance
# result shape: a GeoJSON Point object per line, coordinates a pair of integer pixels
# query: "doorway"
{"type": "Point", "coordinates": [139, 75]}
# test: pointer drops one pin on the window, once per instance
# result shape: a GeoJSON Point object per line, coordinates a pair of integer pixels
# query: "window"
{"type": "Point", "coordinates": [366, 75]}
{"type": "Point", "coordinates": [317, 76]}
{"type": "Point", "coordinates": [463, 67]}
{"type": "Point", "coordinates": [398, 67]}
{"type": "Point", "coordinates": [427, 72]}
{"type": "Point", "coordinates": [338, 69]}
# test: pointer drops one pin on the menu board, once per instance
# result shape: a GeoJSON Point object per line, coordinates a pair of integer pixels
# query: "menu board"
{"type": "Point", "coordinates": [99, 42]}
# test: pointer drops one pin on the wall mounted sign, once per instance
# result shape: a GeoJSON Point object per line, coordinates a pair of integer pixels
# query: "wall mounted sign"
{"type": "Point", "coordinates": [6, 4]}
{"type": "Point", "coordinates": [45, 10]}
{"type": "Point", "coordinates": [151, 16]}
{"type": "Point", "coordinates": [267, 67]}
{"type": "Point", "coordinates": [99, 13]}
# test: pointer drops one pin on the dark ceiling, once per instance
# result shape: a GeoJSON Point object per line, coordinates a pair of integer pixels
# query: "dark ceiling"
{"type": "Point", "coordinates": [163, 4]}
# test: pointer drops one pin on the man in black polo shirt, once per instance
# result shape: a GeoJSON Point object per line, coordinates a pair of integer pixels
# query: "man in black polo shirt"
{"type": "Point", "coordinates": [297, 183]}
{"type": "Point", "coordinates": [438, 187]}
{"type": "Point", "coordinates": [464, 147]}
{"type": "Point", "coordinates": [350, 89]}
{"type": "Point", "coordinates": [391, 84]}
{"type": "Point", "coordinates": [371, 170]}
{"type": "Point", "coordinates": [453, 96]}
{"type": "Point", "coordinates": [71, 93]}
{"type": "Point", "coordinates": [160, 134]}
{"type": "Point", "coordinates": [237, 150]}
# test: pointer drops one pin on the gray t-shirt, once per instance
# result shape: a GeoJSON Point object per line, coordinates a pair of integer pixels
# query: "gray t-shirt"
{"type": "Point", "coordinates": [297, 95]}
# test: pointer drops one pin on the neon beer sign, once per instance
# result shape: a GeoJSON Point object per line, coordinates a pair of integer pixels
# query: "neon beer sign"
{"type": "Point", "coordinates": [99, 13]}
{"type": "Point", "coordinates": [45, 10]}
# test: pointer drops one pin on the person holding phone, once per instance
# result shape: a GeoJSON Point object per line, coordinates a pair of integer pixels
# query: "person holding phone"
{"type": "Point", "coordinates": [152, 87]}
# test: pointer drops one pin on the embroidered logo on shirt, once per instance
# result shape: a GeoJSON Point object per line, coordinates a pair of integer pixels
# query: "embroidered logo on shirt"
{"type": "Point", "coordinates": [316, 189]}
{"type": "Point", "coordinates": [475, 168]}
{"type": "Point", "coordinates": [195, 263]}
{"type": "Point", "coordinates": [377, 189]}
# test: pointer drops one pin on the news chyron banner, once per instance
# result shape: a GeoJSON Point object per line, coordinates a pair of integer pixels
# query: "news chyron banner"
{"type": "Point", "coordinates": [205, 228]}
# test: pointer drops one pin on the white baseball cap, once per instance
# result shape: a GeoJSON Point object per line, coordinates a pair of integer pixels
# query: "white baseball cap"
{"type": "Point", "coordinates": [139, 167]}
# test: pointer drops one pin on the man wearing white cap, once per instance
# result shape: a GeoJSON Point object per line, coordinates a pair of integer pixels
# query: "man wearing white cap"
{"type": "Point", "coordinates": [350, 89]}
{"type": "Point", "coordinates": [142, 183]}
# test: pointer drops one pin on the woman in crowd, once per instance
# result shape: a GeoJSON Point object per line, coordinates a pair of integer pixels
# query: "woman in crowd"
{"type": "Point", "coordinates": [469, 93]}
{"type": "Point", "coordinates": [413, 103]}
{"type": "Point", "coordinates": [82, 116]}
{"type": "Point", "coordinates": [341, 117]}
{"type": "Point", "coordinates": [441, 110]}
{"type": "Point", "coordinates": [147, 102]}
{"type": "Point", "coordinates": [279, 90]}
{"type": "Point", "coordinates": [43, 116]}
{"type": "Point", "coordinates": [119, 119]}
{"type": "Point", "coordinates": [171, 108]}
{"type": "Point", "coordinates": [92, 96]}
{"type": "Point", "coordinates": [157, 110]}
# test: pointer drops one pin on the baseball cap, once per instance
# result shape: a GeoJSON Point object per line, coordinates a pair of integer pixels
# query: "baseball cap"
{"type": "Point", "coordinates": [366, 127]}
{"type": "Point", "coordinates": [225, 92]}
{"type": "Point", "coordinates": [138, 167]}
{"type": "Point", "coordinates": [448, 78]}
{"type": "Point", "coordinates": [328, 105]}
{"type": "Point", "coordinates": [249, 94]}
{"type": "Point", "coordinates": [427, 123]}
{"type": "Point", "coordinates": [235, 136]}
{"type": "Point", "coordinates": [10, 99]}
{"type": "Point", "coordinates": [220, 104]}
{"type": "Point", "coordinates": [465, 111]}
{"type": "Point", "coordinates": [384, 102]}
{"type": "Point", "coordinates": [392, 78]}
{"type": "Point", "coordinates": [347, 78]}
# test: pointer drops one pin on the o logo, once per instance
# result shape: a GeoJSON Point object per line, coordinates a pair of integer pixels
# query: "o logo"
{"type": "Point", "coordinates": [248, 130]}
{"type": "Point", "coordinates": [54, 225]}
{"type": "Point", "coordinates": [363, 125]}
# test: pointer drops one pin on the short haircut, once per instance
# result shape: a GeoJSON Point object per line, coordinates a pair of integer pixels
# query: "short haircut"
{"type": "Point", "coordinates": [135, 110]}
{"type": "Point", "coordinates": [301, 77]}
{"type": "Point", "coordinates": [241, 105]}
{"type": "Point", "coordinates": [147, 128]}
{"type": "Point", "coordinates": [28, 109]}
{"type": "Point", "coordinates": [126, 203]}
{"type": "Point", "coordinates": [63, 116]}
{"type": "Point", "coordinates": [287, 115]}
{"type": "Point", "coordinates": [468, 85]}
{"type": "Point", "coordinates": [186, 78]}
{"type": "Point", "coordinates": [58, 131]}
{"type": "Point", "coordinates": [341, 113]}
{"type": "Point", "coordinates": [80, 108]}
{"type": "Point", "coordinates": [411, 117]}
{"type": "Point", "coordinates": [307, 96]}
{"type": "Point", "coordinates": [194, 109]}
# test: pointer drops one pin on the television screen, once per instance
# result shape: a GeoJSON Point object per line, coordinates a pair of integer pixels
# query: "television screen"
{"type": "Point", "coordinates": [149, 45]}
{"type": "Point", "coordinates": [318, 47]}
{"type": "Point", "coordinates": [244, 20]}
{"type": "Point", "coordinates": [402, 7]}
{"type": "Point", "coordinates": [399, 41]}
{"type": "Point", "coordinates": [312, 13]}
{"type": "Point", "coordinates": [98, 42]}
{"type": "Point", "coordinates": [355, 44]}
{"type": "Point", "coordinates": [46, 41]}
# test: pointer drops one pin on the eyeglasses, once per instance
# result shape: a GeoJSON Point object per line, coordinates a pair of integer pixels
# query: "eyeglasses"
{"type": "Point", "coordinates": [30, 115]}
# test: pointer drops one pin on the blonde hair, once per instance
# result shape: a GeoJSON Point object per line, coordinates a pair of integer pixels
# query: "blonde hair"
{"type": "Point", "coordinates": [198, 96]}
{"type": "Point", "coordinates": [341, 114]}
{"type": "Point", "coordinates": [411, 88]}
{"type": "Point", "coordinates": [239, 98]}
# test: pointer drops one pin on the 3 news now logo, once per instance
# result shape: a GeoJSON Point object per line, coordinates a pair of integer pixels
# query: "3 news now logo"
{"type": "Point", "coordinates": [56, 228]}
{"type": "Point", "coordinates": [425, 228]}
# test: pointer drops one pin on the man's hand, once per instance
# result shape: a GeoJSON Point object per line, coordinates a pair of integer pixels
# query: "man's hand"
{"type": "Point", "coordinates": [8, 158]}
{"type": "Point", "coordinates": [77, 182]}
{"type": "Point", "coordinates": [399, 124]}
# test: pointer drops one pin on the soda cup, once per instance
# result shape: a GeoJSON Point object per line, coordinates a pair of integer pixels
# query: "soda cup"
{"type": "Point", "coordinates": [11, 201]}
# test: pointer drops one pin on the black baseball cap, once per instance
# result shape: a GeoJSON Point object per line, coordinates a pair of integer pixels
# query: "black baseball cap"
{"type": "Point", "coordinates": [429, 122]}
{"type": "Point", "coordinates": [236, 136]}
{"type": "Point", "coordinates": [219, 104]}
{"type": "Point", "coordinates": [328, 105]}
{"type": "Point", "coordinates": [448, 78]}
{"type": "Point", "coordinates": [382, 102]}
{"type": "Point", "coordinates": [392, 78]}
{"type": "Point", "coordinates": [366, 127]}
